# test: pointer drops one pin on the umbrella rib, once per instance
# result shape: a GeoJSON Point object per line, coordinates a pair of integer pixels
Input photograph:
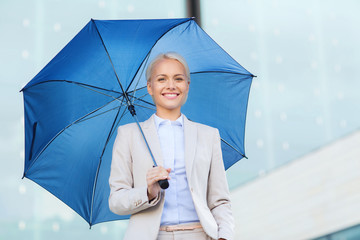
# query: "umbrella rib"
{"type": "Point", "coordinates": [102, 93]}
{"type": "Point", "coordinates": [138, 81]}
{"type": "Point", "coordinates": [134, 98]}
{"type": "Point", "coordinates": [100, 161]}
{"type": "Point", "coordinates": [251, 75]}
{"type": "Point", "coordinates": [143, 106]}
{"type": "Point", "coordinates": [137, 89]}
{"type": "Point", "coordinates": [107, 53]}
{"type": "Point", "coordinates": [61, 131]}
{"type": "Point", "coordinates": [148, 54]}
{"type": "Point", "coordinates": [140, 99]}
{"type": "Point", "coordinates": [112, 64]}
{"type": "Point", "coordinates": [101, 113]}
{"type": "Point", "coordinates": [154, 109]}
{"type": "Point", "coordinates": [233, 147]}
{"type": "Point", "coordinates": [122, 115]}
{"type": "Point", "coordinates": [67, 81]}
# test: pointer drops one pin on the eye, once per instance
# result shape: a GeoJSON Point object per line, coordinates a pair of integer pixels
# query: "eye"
{"type": "Point", "coordinates": [179, 79]}
{"type": "Point", "coordinates": [161, 79]}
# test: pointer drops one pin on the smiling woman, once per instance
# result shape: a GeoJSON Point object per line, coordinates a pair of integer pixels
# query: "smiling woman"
{"type": "Point", "coordinates": [168, 84]}
{"type": "Point", "coordinates": [197, 204]}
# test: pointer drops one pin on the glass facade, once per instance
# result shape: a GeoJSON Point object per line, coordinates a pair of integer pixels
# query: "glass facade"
{"type": "Point", "coordinates": [305, 56]}
{"type": "Point", "coordinates": [351, 233]}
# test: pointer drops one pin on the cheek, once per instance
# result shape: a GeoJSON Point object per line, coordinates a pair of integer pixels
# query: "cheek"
{"type": "Point", "coordinates": [186, 88]}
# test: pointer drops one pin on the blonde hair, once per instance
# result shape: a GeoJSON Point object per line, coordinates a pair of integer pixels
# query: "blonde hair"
{"type": "Point", "coordinates": [168, 55]}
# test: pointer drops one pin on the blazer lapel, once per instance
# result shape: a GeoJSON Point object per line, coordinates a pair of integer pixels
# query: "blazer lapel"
{"type": "Point", "coordinates": [190, 135]}
{"type": "Point", "coordinates": [151, 135]}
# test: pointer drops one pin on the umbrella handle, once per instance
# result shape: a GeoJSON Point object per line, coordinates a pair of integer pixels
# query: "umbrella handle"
{"type": "Point", "coordinates": [164, 184]}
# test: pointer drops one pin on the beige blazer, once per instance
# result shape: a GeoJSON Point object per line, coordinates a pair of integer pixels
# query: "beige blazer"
{"type": "Point", "coordinates": [204, 170]}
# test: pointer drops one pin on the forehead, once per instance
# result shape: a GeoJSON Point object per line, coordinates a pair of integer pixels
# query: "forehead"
{"type": "Point", "coordinates": [167, 65]}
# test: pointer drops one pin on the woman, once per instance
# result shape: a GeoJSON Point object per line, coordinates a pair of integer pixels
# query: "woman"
{"type": "Point", "coordinates": [196, 205]}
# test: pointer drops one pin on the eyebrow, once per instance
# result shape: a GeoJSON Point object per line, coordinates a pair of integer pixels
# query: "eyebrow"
{"type": "Point", "coordinates": [179, 74]}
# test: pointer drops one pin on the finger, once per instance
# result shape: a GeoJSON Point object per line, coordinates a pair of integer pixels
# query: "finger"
{"type": "Point", "coordinates": [160, 168]}
{"type": "Point", "coordinates": [165, 177]}
{"type": "Point", "coordinates": [157, 173]}
{"type": "Point", "coordinates": [154, 181]}
{"type": "Point", "coordinates": [156, 170]}
{"type": "Point", "coordinates": [163, 171]}
{"type": "Point", "coordinates": [151, 180]}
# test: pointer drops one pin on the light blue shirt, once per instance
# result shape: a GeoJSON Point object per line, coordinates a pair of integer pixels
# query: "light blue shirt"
{"type": "Point", "coordinates": [179, 207]}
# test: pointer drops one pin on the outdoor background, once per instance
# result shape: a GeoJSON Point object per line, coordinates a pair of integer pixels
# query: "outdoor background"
{"type": "Point", "coordinates": [305, 54]}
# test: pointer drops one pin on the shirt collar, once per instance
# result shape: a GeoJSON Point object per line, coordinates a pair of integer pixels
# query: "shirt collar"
{"type": "Point", "coordinates": [159, 121]}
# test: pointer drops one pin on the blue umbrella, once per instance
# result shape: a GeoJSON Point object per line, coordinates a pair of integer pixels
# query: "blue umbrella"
{"type": "Point", "coordinates": [75, 104]}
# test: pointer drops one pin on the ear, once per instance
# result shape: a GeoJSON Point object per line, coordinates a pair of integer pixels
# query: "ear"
{"type": "Point", "coordinates": [148, 86]}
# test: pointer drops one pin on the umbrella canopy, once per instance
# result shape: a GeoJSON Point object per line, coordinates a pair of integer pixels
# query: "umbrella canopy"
{"type": "Point", "coordinates": [75, 104]}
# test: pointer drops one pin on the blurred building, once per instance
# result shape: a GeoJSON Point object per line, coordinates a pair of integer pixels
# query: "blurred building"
{"type": "Point", "coordinates": [314, 197]}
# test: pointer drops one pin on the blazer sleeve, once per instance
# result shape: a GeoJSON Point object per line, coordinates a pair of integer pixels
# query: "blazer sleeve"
{"type": "Point", "coordinates": [218, 192]}
{"type": "Point", "coordinates": [124, 198]}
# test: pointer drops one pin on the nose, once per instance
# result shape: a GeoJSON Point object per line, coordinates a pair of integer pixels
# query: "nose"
{"type": "Point", "coordinates": [171, 84]}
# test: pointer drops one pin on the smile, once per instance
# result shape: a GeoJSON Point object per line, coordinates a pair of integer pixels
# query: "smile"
{"type": "Point", "coordinates": [170, 95]}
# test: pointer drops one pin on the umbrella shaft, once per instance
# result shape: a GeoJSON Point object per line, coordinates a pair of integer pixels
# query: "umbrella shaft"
{"type": "Point", "coordinates": [142, 133]}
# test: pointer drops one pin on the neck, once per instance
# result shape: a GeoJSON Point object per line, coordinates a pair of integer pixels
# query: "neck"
{"type": "Point", "coordinates": [171, 115]}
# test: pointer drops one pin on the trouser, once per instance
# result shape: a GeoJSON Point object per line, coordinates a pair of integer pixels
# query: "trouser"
{"type": "Point", "coordinates": [183, 234]}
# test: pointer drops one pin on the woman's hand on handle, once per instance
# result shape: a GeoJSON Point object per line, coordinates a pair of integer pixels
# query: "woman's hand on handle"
{"type": "Point", "coordinates": [152, 177]}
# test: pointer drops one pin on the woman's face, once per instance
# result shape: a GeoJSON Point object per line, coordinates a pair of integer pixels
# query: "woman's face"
{"type": "Point", "coordinates": [168, 85]}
